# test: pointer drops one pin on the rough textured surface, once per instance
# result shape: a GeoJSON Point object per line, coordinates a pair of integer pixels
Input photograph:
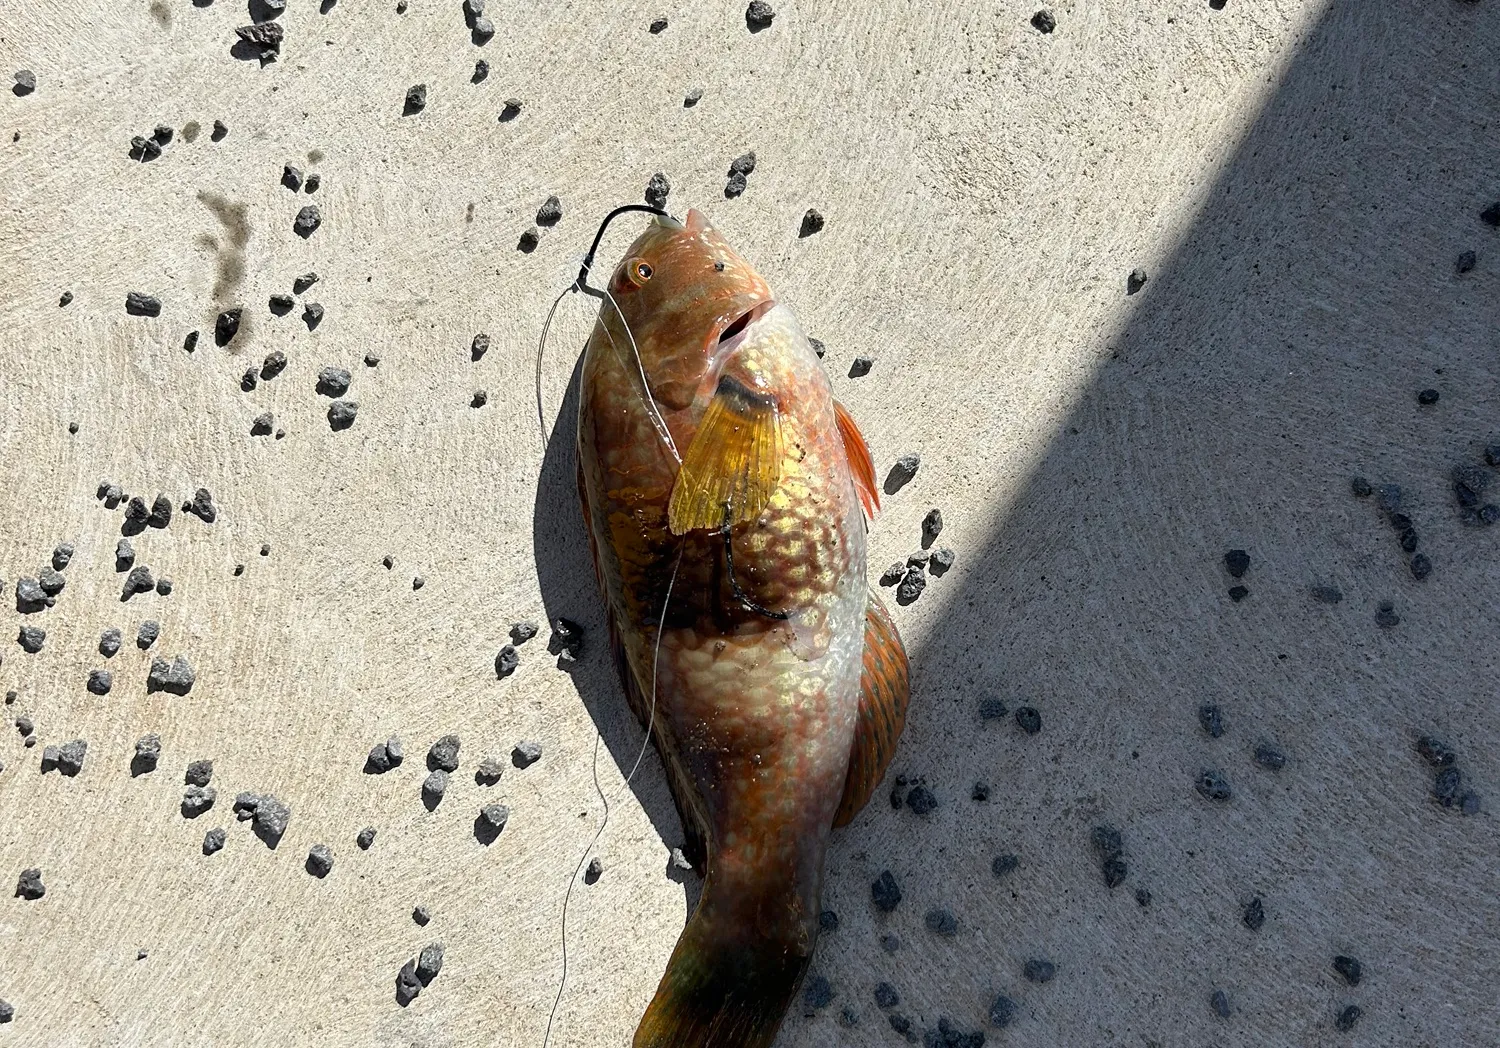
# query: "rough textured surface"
{"type": "Point", "coordinates": [1296, 177]}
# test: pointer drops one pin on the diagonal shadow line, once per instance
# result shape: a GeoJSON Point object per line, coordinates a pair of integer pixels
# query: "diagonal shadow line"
{"type": "Point", "coordinates": [1275, 355]}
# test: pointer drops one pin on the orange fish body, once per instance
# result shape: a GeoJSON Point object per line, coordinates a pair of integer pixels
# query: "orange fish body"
{"type": "Point", "coordinates": [723, 489]}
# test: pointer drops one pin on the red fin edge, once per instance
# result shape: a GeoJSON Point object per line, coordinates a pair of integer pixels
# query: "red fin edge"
{"type": "Point", "coordinates": [861, 465]}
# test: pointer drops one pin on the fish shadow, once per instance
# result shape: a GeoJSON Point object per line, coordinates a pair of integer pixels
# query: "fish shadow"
{"type": "Point", "coordinates": [565, 575]}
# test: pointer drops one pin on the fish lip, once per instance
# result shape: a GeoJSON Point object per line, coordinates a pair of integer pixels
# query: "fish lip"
{"type": "Point", "coordinates": [733, 332]}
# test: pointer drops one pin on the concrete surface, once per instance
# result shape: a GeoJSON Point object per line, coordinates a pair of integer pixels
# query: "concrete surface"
{"type": "Point", "coordinates": [1296, 178]}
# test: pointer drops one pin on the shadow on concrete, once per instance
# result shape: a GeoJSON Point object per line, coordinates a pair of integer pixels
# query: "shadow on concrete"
{"type": "Point", "coordinates": [1276, 356]}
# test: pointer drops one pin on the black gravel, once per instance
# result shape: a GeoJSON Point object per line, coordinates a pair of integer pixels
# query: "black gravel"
{"type": "Point", "coordinates": [197, 799]}
{"type": "Point", "coordinates": [444, 754]}
{"type": "Point", "coordinates": [885, 893]}
{"type": "Point", "coordinates": [1385, 615]}
{"type": "Point", "coordinates": [429, 962]}
{"type": "Point", "coordinates": [818, 993]}
{"type": "Point", "coordinates": [528, 242]}
{"type": "Point", "coordinates": [1238, 593]}
{"type": "Point", "coordinates": [333, 382]}
{"type": "Point", "coordinates": [1213, 785]}
{"type": "Point", "coordinates": [307, 221]}
{"type": "Point", "coordinates": [384, 756]}
{"type": "Point", "coordinates": [366, 838]}
{"type": "Point", "coordinates": [658, 189]}
{"type": "Point", "coordinates": [176, 677]}
{"type": "Point", "coordinates": [506, 661]}
{"type": "Point", "coordinates": [1269, 755]}
{"type": "Point", "coordinates": [109, 643]}
{"type": "Point", "coordinates": [1211, 718]}
{"type": "Point", "coordinates": [1028, 720]}
{"type": "Point", "coordinates": [480, 398]}
{"type": "Point", "coordinates": [281, 304]}
{"type": "Point", "coordinates": [1044, 22]}
{"type": "Point", "coordinates": [1349, 969]}
{"type": "Point", "coordinates": [595, 868]}
{"type": "Point", "coordinates": [481, 70]}
{"type": "Point", "coordinates": [227, 325]}
{"type": "Point", "coordinates": [25, 82]}
{"type": "Point", "coordinates": [1219, 1002]}
{"type": "Point", "coordinates": [147, 754]}
{"type": "Point", "coordinates": [980, 791]}
{"type": "Point", "coordinates": [479, 347]}
{"type": "Point", "coordinates": [1004, 865]}
{"type": "Point", "coordinates": [521, 632]}
{"type": "Point", "coordinates": [140, 304]}
{"type": "Point", "coordinates": [812, 222]}
{"type": "Point", "coordinates": [942, 560]}
{"type": "Point", "coordinates": [100, 681]}
{"type": "Point", "coordinates": [511, 110]}
{"type": "Point", "coordinates": [692, 98]}
{"type": "Point", "coordinates": [341, 414]}
{"type": "Point", "coordinates": [489, 771]}
{"type": "Point", "coordinates": [146, 635]}
{"type": "Point", "coordinates": [550, 213]}
{"type": "Point", "coordinates": [291, 177]}
{"type": "Point", "coordinates": [30, 885]}
{"type": "Point", "coordinates": [1254, 915]}
{"type": "Point", "coordinates": [407, 984]}
{"type": "Point", "coordinates": [1445, 786]}
{"type": "Point", "coordinates": [416, 99]}
{"type": "Point", "coordinates": [1428, 396]}
{"type": "Point", "coordinates": [1039, 970]}
{"type": "Point", "coordinates": [1237, 562]}
{"type": "Point", "coordinates": [941, 921]}
{"type": "Point", "coordinates": [861, 366]}
{"type": "Point", "coordinates": [199, 773]}
{"type": "Point", "coordinates": [433, 788]}
{"type": "Point", "coordinates": [759, 15]}
{"type": "Point", "coordinates": [921, 800]}
{"type": "Point", "coordinates": [31, 639]}
{"type": "Point", "coordinates": [911, 586]}
{"type": "Point", "coordinates": [526, 753]}
{"type": "Point", "coordinates": [1002, 1012]}
{"type": "Point", "coordinates": [992, 708]}
{"type": "Point", "coordinates": [893, 574]}
{"type": "Point", "coordinates": [886, 997]}
{"type": "Point", "coordinates": [1435, 752]}
{"type": "Point", "coordinates": [1326, 594]}
{"type": "Point", "coordinates": [62, 555]}
{"type": "Point", "coordinates": [320, 860]}
{"type": "Point", "coordinates": [1347, 1018]}
{"type": "Point", "coordinates": [214, 840]}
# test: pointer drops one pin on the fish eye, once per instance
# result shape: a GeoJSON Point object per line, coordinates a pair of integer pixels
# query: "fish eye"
{"type": "Point", "coordinates": [638, 271]}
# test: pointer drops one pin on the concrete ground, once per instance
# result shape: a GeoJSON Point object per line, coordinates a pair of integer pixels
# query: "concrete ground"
{"type": "Point", "coordinates": [1296, 179]}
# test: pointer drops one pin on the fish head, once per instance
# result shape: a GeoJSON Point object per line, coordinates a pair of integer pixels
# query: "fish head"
{"type": "Point", "coordinates": [686, 298]}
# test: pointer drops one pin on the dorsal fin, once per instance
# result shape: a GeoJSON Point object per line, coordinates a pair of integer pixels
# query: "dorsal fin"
{"type": "Point", "coordinates": [884, 690]}
{"type": "Point", "coordinates": [861, 465]}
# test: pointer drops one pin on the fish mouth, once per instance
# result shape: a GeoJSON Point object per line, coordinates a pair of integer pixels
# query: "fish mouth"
{"type": "Point", "coordinates": [734, 332]}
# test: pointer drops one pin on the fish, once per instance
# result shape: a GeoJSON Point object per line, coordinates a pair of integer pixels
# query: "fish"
{"type": "Point", "coordinates": [726, 496]}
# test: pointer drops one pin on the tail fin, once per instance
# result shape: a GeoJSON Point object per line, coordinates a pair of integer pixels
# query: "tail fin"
{"type": "Point", "coordinates": [722, 990]}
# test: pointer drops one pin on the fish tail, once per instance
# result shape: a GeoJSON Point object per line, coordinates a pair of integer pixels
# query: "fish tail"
{"type": "Point", "coordinates": [721, 991]}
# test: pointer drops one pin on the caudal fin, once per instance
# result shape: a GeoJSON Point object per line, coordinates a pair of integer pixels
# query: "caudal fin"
{"type": "Point", "coordinates": [721, 990]}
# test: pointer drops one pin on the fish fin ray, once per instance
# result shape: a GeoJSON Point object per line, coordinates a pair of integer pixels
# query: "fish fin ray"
{"type": "Point", "coordinates": [721, 988]}
{"type": "Point", "coordinates": [861, 465]}
{"type": "Point", "coordinates": [884, 693]}
{"type": "Point", "coordinates": [734, 459]}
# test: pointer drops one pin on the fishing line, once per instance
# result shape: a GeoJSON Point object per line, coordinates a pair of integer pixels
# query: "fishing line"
{"type": "Point", "coordinates": [659, 424]}
{"type": "Point", "coordinates": [604, 823]}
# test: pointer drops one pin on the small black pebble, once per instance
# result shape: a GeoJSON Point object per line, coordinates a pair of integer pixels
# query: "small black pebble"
{"type": "Point", "coordinates": [1427, 396]}
{"type": "Point", "coordinates": [657, 190]}
{"type": "Point", "coordinates": [341, 414]}
{"type": "Point", "coordinates": [1142, 897]}
{"type": "Point", "coordinates": [594, 871]}
{"type": "Point", "coordinates": [759, 15]}
{"type": "Point", "coordinates": [67, 296]}
{"type": "Point", "coordinates": [1348, 968]}
{"type": "Point", "coordinates": [291, 177]}
{"type": "Point", "coordinates": [1212, 719]}
{"type": "Point", "coordinates": [220, 130]}
{"type": "Point", "coordinates": [828, 921]}
{"type": "Point", "coordinates": [1044, 22]}
{"type": "Point", "coordinates": [213, 840]}
{"type": "Point", "coordinates": [190, 341]}
{"type": "Point", "coordinates": [25, 82]}
{"type": "Point", "coordinates": [1237, 562]}
{"type": "Point", "coordinates": [333, 382]}
{"type": "Point", "coordinates": [307, 221]}
{"type": "Point", "coordinates": [1385, 615]}
{"type": "Point", "coordinates": [992, 708]}
{"type": "Point", "coordinates": [550, 213]}
{"type": "Point", "coordinates": [1361, 487]}
{"type": "Point", "coordinates": [1002, 1011]}
{"type": "Point", "coordinates": [525, 754]}
{"type": "Point", "coordinates": [511, 110]}
{"type": "Point", "coordinates": [479, 399]}
{"type": "Point", "coordinates": [1268, 755]}
{"type": "Point", "coordinates": [885, 893]}
{"type": "Point", "coordinates": [138, 304]}
{"type": "Point", "coordinates": [366, 838]}
{"type": "Point", "coordinates": [109, 643]}
{"type": "Point", "coordinates": [658, 25]}
{"type": "Point", "coordinates": [507, 661]}
{"type": "Point", "coordinates": [1421, 566]}
{"type": "Point", "coordinates": [481, 70]}
{"type": "Point", "coordinates": [1347, 1018]}
{"type": "Point", "coordinates": [227, 325]}
{"type": "Point", "coordinates": [941, 921]}
{"type": "Point", "coordinates": [692, 98]}
{"type": "Point", "coordinates": [281, 304]}
{"type": "Point", "coordinates": [1254, 915]}
{"type": "Point", "coordinates": [1039, 971]}
{"type": "Point", "coordinates": [861, 367]}
{"type": "Point", "coordinates": [320, 860]}
{"type": "Point", "coordinates": [100, 681]}
{"type": "Point", "coordinates": [305, 281]}
{"type": "Point", "coordinates": [1029, 720]}
{"type": "Point", "coordinates": [812, 222]}
{"type": "Point", "coordinates": [421, 915]}
{"type": "Point", "coordinates": [980, 792]}
{"type": "Point", "coordinates": [1490, 216]}
{"type": "Point", "coordinates": [1219, 1002]}
{"type": "Point", "coordinates": [1445, 786]}
{"type": "Point", "coordinates": [528, 241]}
{"type": "Point", "coordinates": [1238, 593]}
{"type": "Point", "coordinates": [1467, 260]}
{"type": "Point", "coordinates": [1213, 785]}
{"type": "Point", "coordinates": [416, 99]}
{"type": "Point", "coordinates": [818, 992]}
{"type": "Point", "coordinates": [886, 997]}
{"type": "Point", "coordinates": [314, 181]}
{"type": "Point", "coordinates": [921, 800]}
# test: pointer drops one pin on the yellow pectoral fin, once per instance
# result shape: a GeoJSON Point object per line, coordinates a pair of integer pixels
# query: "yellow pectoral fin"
{"type": "Point", "coordinates": [734, 461]}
